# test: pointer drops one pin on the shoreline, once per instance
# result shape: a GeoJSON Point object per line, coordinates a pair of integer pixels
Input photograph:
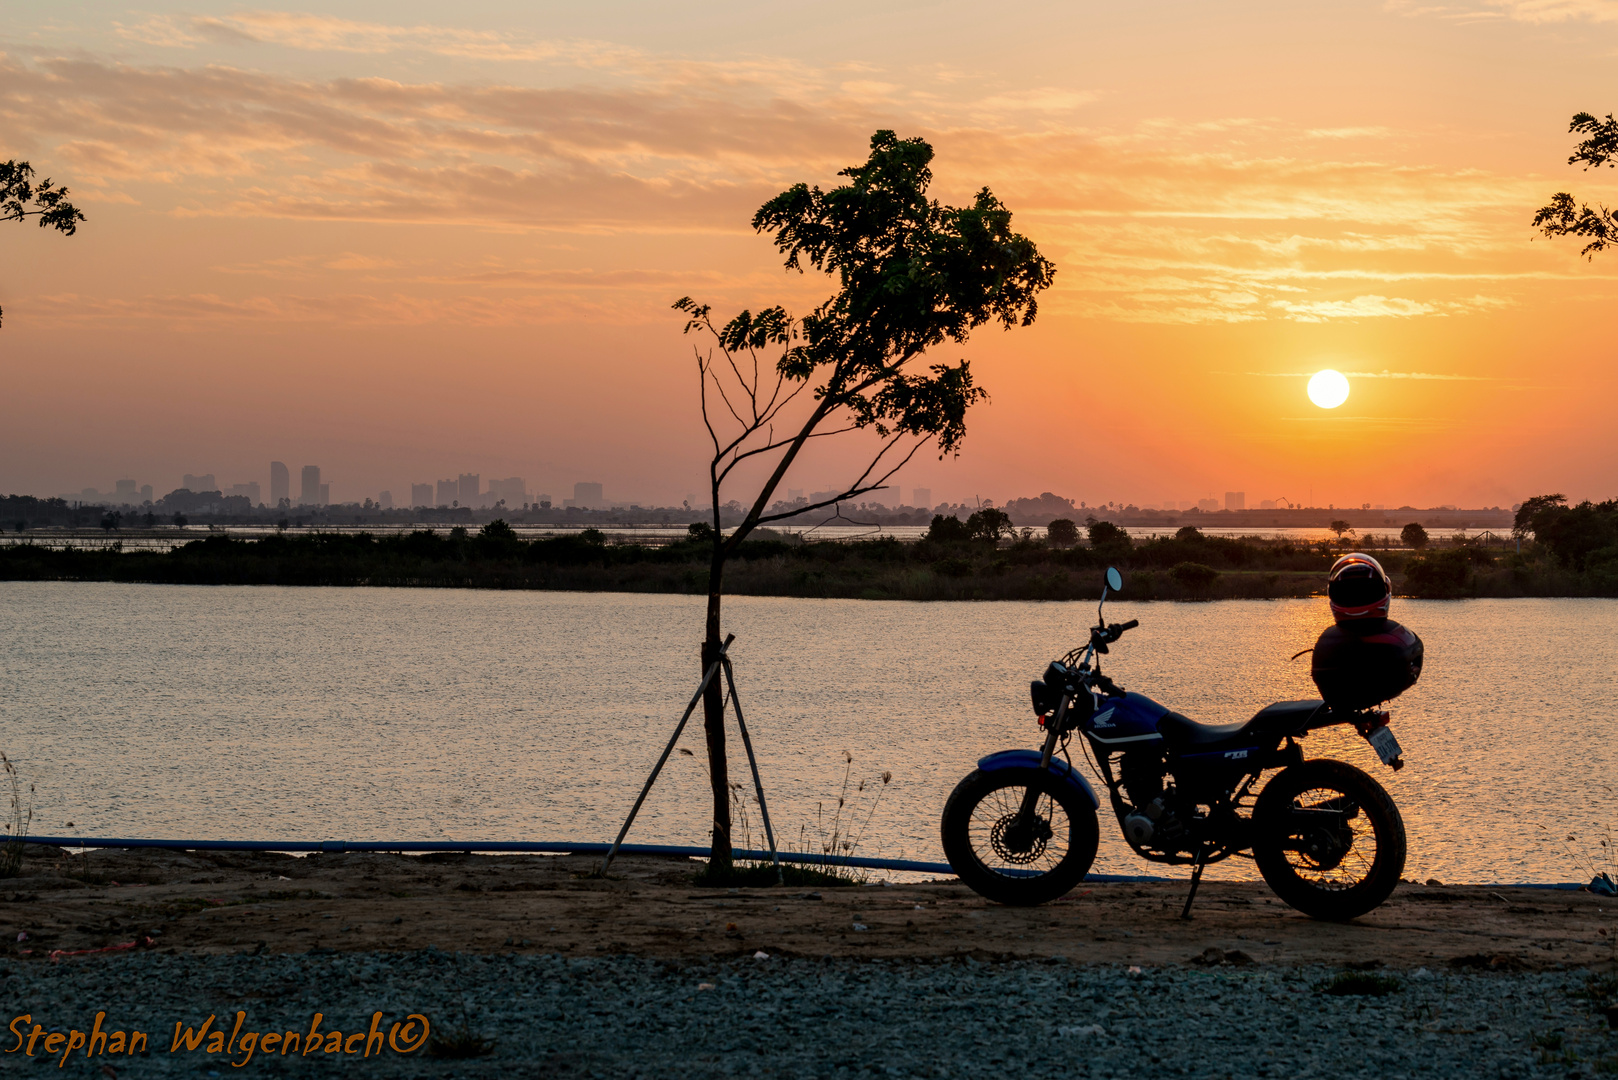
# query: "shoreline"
{"type": "Point", "coordinates": [1187, 566]}
{"type": "Point", "coordinates": [649, 906]}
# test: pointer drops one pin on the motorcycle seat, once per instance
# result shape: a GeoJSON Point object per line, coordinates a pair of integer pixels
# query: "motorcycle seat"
{"type": "Point", "coordinates": [1271, 721]}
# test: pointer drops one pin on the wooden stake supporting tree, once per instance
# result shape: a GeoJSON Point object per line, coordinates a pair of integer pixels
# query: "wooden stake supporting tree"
{"type": "Point", "coordinates": [911, 275]}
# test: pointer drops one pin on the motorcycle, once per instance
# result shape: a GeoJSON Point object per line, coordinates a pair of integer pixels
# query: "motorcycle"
{"type": "Point", "coordinates": [1021, 828]}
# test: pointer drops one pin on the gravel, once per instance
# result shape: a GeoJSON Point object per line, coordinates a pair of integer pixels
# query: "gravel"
{"type": "Point", "coordinates": [622, 1016]}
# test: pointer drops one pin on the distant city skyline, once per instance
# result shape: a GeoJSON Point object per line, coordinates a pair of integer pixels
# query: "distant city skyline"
{"type": "Point", "coordinates": [467, 489]}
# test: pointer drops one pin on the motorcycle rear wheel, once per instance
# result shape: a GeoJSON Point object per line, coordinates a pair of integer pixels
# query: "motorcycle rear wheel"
{"type": "Point", "coordinates": [1328, 840]}
{"type": "Point", "coordinates": [1020, 864]}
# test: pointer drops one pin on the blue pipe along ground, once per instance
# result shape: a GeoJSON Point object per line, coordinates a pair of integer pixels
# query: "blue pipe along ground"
{"type": "Point", "coordinates": [532, 847]}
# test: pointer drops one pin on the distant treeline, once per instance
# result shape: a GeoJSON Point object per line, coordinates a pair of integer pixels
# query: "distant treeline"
{"type": "Point", "coordinates": [982, 557]}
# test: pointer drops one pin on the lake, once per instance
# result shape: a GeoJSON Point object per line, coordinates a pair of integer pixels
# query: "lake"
{"type": "Point", "coordinates": [397, 714]}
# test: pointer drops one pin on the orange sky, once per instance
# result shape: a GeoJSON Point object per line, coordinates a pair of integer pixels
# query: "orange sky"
{"type": "Point", "coordinates": [403, 247]}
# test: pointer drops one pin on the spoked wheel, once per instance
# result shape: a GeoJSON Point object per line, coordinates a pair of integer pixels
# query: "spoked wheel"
{"type": "Point", "coordinates": [1013, 859]}
{"type": "Point", "coordinates": [1328, 839]}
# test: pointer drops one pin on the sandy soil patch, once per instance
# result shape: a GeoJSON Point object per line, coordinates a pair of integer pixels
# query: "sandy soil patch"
{"type": "Point", "coordinates": [199, 902]}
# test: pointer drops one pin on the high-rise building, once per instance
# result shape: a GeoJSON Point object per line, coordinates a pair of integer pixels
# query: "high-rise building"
{"type": "Point", "coordinates": [921, 497]}
{"type": "Point", "coordinates": [513, 489]}
{"type": "Point", "coordinates": [468, 488]}
{"type": "Point", "coordinates": [310, 493]}
{"type": "Point", "coordinates": [280, 483]}
{"type": "Point", "coordinates": [250, 489]}
{"type": "Point", "coordinates": [384, 501]}
{"type": "Point", "coordinates": [421, 495]}
{"type": "Point", "coordinates": [1207, 506]}
{"type": "Point", "coordinates": [124, 491]}
{"type": "Point", "coordinates": [146, 493]}
{"type": "Point", "coordinates": [203, 482]}
{"type": "Point", "coordinates": [325, 495]}
{"type": "Point", "coordinates": [1235, 500]}
{"type": "Point", "coordinates": [588, 495]}
{"type": "Point", "coordinates": [448, 492]}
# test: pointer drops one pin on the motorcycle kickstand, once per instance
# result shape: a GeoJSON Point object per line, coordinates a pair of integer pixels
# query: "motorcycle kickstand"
{"type": "Point", "coordinates": [1196, 879]}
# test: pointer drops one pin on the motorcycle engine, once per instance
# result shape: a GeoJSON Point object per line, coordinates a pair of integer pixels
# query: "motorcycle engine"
{"type": "Point", "coordinates": [1142, 774]}
{"type": "Point", "coordinates": [1153, 823]}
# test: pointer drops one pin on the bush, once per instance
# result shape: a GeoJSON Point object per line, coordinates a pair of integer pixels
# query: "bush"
{"type": "Point", "coordinates": [1195, 576]}
{"type": "Point", "coordinates": [1104, 534]}
{"type": "Point", "coordinates": [1413, 536]}
{"type": "Point", "coordinates": [1443, 575]}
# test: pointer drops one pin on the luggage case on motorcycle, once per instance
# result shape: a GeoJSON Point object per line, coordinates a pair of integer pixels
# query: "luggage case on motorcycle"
{"type": "Point", "coordinates": [1360, 664]}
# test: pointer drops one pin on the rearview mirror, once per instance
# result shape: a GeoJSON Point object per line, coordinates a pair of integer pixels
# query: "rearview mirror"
{"type": "Point", "coordinates": [1115, 580]}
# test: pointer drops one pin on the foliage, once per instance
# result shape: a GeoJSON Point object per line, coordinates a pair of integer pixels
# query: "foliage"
{"type": "Point", "coordinates": [1107, 538]}
{"type": "Point", "coordinates": [1062, 533]}
{"type": "Point", "coordinates": [21, 198]}
{"type": "Point", "coordinates": [1413, 536]}
{"type": "Point", "coordinates": [1442, 575]}
{"type": "Point", "coordinates": [1563, 215]}
{"type": "Point", "coordinates": [1522, 525]}
{"type": "Point", "coordinates": [1340, 527]}
{"type": "Point", "coordinates": [18, 819]}
{"type": "Point", "coordinates": [1582, 537]}
{"type": "Point", "coordinates": [912, 273]}
{"type": "Point", "coordinates": [1195, 576]}
{"type": "Point", "coordinates": [986, 526]}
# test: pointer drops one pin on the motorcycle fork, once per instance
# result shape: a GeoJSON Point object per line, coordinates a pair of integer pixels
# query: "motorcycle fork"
{"type": "Point", "coordinates": [1030, 800]}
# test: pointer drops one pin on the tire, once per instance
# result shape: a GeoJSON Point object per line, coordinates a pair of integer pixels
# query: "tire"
{"type": "Point", "coordinates": [977, 815]}
{"type": "Point", "coordinates": [1341, 864]}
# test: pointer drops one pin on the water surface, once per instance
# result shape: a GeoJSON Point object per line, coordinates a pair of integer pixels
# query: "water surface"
{"type": "Point", "coordinates": [398, 714]}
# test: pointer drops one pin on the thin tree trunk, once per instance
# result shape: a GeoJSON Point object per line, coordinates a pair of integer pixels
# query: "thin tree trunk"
{"type": "Point", "coordinates": [713, 716]}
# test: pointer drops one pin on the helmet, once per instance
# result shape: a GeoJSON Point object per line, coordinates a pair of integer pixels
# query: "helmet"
{"type": "Point", "coordinates": [1358, 588]}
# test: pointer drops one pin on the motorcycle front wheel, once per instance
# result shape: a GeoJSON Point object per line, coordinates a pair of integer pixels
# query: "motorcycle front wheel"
{"type": "Point", "coordinates": [1012, 860]}
{"type": "Point", "coordinates": [1328, 839]}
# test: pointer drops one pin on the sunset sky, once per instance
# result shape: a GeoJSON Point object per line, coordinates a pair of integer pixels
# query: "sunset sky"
{"type": "Point", "coordinates": [403, 241]}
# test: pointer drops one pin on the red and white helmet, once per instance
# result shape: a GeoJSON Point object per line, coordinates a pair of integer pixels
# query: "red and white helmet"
{"type": "Point", "coordinates": [1358, 588]}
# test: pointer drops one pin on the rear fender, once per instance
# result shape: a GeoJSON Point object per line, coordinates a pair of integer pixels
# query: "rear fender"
{"type": "Point", "coordinates": [1029, 759]}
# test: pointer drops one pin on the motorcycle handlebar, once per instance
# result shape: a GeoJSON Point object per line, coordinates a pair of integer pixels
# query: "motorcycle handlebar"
{"type": "Point", "coordinates": [1130, 625]}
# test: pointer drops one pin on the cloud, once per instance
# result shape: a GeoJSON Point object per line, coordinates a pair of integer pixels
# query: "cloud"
{"type": "Point", "coordinates": [1384, 374]}
{"type": "Point", "coordinates": [1361, 307]}
{"type": "Point", "coordinates": [1530, 11]}
{"type": "Point", "coordinates": [1558, 10]}
{"type": "Point", "coordinates": [324, 33]}
{"type": "Point", "coordinates": [1227, 220]}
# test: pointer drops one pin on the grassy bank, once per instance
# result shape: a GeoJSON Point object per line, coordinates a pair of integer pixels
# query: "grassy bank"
{"type": "Point", "coordinates": [950, 564]}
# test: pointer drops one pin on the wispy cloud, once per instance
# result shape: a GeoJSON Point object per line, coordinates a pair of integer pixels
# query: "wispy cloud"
{"type": "Point", "coordinates": [325, 33]}
{"type": "Point", "coordinates": [1530, 11]}
{"type": "Point", "coordinates": [1242, 219]}
{"type": "Point", "coordinates": [1383, 374]}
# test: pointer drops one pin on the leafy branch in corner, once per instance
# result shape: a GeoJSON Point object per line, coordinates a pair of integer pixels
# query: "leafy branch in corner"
{"type": "Point", "coordinates": [1563, 215]}
{"type": "Point", "coordinates": [22, 198]}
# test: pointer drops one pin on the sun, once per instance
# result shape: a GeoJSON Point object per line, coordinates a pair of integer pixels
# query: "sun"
{"type": "Point", "coordinates": [1328, 389]}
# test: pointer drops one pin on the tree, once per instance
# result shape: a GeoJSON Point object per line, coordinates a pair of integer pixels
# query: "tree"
{"type": "Point", "coordinates": [1537, 507]}
{"type": "Point", "coordinates": [1104, 535]}
{"type": "Point", "coordinates": [1562, 216]}
{"type": "Point", "coordinates": [1413, 536]}
{"type": "Point", "coordinates": [21, 198]}
{"type": "Point", "coordinates": [1062, 533]}
{"type": "Point", "coordinates": [1340, 527]}
{"type": "Point", "coordinates": [911, 274]}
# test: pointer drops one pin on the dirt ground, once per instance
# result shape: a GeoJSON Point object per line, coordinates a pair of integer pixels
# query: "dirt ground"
{"type": "Point", "coordinates": [227, 902]}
